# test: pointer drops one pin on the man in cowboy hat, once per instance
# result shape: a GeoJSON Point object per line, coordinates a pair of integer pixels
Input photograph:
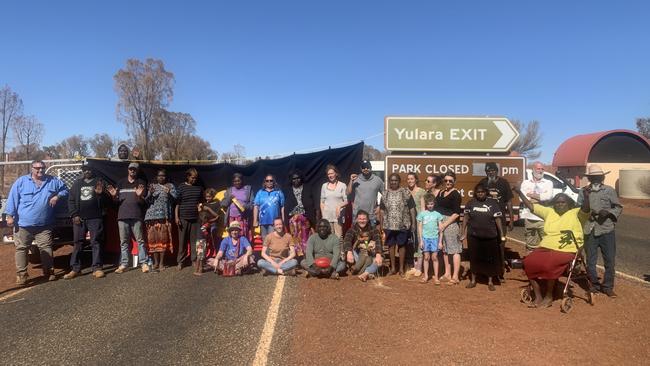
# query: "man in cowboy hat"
{"type": "Point", "coordinates": [234, 248]}
{"type": "Point", "coordinates": [599, 229]}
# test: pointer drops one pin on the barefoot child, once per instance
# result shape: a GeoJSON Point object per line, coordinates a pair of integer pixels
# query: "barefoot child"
{"type": "Point", "coordinates": [430, 236]}
{"type": "Point", "coordinates": [202, 241]}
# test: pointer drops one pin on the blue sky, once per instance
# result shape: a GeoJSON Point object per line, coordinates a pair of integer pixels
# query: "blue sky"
{"type": "Point", "coordinates": [283, 76]}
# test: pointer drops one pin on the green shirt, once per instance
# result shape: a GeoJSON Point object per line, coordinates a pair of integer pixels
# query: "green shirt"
{"type": "Point", "coordinates": [329, 247]}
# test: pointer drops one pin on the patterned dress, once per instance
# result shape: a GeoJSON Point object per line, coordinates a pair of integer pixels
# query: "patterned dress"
{"type": "Point", "coordinates": [158, 217]}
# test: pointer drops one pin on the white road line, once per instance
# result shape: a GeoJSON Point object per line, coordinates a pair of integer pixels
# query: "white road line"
{"type": "Point", "coordinates": [12, 294]}
{"type": "Point", "coordinates": [263, 348]}
{"type": "Point", "coordinates": [618, 273]}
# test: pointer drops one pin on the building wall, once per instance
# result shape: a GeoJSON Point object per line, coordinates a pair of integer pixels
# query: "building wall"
{"type": "Point", "coordinates": [611, 179]}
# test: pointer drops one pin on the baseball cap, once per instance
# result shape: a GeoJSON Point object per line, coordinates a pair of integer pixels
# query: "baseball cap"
{"type": "Point", "coordinates": [366, 164]}
{"type": "Point", "coordinates": [134, 165]}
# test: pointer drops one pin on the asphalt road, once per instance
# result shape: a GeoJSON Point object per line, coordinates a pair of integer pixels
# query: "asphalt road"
{"type": "Point", "coordinates": [164, 318]}
{"type": "Point", "coordinates": [632, 246]}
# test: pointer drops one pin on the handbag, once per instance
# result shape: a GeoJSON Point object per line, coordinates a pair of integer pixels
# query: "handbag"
{"type": "Point", "coordinates": [230, 267]}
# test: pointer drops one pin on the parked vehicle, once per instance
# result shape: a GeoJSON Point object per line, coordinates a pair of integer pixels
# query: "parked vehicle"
{"type": "Point", "coordinates": [560, 184]}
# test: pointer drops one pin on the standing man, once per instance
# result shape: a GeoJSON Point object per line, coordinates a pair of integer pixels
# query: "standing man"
{"type": "Point", "coordinates": [538, 190]}
{"type": "Point", "coordinates": [364, 189]}
{"type": "Point", "coordinates": [599, 230]}
{"type": "Point", "coordinates": [86, 207]}
{"type": "Point", "coordinates": [499, 189]}
{"type": "Point", "coordinates": [129, 195]}
{"type": "Point", "coordinates": [30, 207]}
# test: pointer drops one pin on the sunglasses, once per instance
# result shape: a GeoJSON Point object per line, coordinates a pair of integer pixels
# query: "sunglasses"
{"type": "Point", "coordinates": [449, 180]}
{"type": "Point", "coordinates": [268, 180]}
{"type": "Point", "coordinates": [38, 167]}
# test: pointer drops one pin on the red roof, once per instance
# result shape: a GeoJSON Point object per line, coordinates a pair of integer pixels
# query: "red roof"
{"type": "Point", "coordinates": [575, 151]}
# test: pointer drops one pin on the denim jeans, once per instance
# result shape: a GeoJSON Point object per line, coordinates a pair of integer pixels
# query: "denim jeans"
{"type": "Point", "coordinates": [126, 228]}
{"type": "Point", "coordinates": [96, 229]}
{"type": "Point", "coordinates": [607, 245]}
{"type": "Point", "coordinates": [266, 230]}
{"type": "Point", "coordinates": [263, 263]}
{"type": "Point", "coordinates": [371, 269]}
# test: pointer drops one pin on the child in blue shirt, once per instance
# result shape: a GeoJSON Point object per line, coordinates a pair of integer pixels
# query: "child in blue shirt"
{"type": "Point", "coordinates": [430, 236]}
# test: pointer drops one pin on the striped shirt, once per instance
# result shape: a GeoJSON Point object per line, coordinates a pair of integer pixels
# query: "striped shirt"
{"type": "Point", "coordinates": [188, 200]}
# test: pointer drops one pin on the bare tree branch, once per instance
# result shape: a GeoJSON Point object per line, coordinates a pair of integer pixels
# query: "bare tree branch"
{"type": "Point", "coordinates": [144, 89]}
{"type": "Point", "coordinates": [529, 141]}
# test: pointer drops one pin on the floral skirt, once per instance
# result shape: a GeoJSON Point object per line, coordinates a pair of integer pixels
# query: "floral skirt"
{"type": "Point", "coordinates": [159, 236]}
{"type": "Point", "coordinates": [299, 229]}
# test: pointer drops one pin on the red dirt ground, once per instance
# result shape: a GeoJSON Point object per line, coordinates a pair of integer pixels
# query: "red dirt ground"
{"type": "Point", "coordinates": [404, 322]}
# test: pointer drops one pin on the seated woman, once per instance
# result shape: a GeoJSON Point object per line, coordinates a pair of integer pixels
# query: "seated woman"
{"type": "Point", "coordinates": [235, 251]}
{"type": "Point", "coordinates": [323, 244]}
{"type": "Point", "coordinates": [278, 252]}
{"type": "Point", "coordinates": [557, 249]}
{"type": "Point", "coordinates": [363, 247]}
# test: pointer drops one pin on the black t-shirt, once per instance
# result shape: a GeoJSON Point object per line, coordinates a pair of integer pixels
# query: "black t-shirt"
{"type": "Point", "coordinates": [482, 216]}
{"type": "Point", "coordinates": [131, 207]}
{"type": "Point", "coordinates": [188, 200]}
{"type": "Point", "coordinates": [448, 205]}
{"type": "Point", "coordinates": [83, 201]}
{"type": "Point", "coordinates": [498, 190]}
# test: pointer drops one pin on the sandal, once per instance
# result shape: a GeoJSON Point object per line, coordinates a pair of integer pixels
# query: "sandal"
{"type": "Point", "coordinates": [437, 282]}
{"type": "Point", "coordinates": [491, 287]}
{"type": "Point", "coordinates": [453, 282]}
{"type": "Point", "coordinates": [424, 280]}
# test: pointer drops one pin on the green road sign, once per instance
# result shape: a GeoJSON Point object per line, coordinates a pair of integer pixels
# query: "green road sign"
{"type": "Point", "coordinates": [480, 134]}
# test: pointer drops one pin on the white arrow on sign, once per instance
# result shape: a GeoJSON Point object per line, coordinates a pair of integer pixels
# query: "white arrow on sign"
{"type": "Point", "coordinates": [508, 134]}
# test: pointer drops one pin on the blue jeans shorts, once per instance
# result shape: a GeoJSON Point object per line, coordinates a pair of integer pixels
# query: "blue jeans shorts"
{"type": "Point", "coordinates": [430, 245]}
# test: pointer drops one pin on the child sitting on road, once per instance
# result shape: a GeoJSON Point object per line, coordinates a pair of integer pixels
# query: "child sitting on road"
{"type": "Point", "coordinates": [366, 250]}
{"type": "Point", "coordinates": [430, 236]}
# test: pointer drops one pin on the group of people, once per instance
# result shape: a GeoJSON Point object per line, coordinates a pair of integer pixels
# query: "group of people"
{"type": "Point", "coordinates": [305, 233]}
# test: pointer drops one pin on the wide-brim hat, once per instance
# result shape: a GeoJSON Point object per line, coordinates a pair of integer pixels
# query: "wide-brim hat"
{"type": "Point", "coordinates": [235, 225]}
{"type": "Point", "coordinates": [594, 170]}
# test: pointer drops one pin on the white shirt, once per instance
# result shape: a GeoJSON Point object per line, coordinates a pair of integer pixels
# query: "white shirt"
{"type": "Point", "coordinates": [543, 187]}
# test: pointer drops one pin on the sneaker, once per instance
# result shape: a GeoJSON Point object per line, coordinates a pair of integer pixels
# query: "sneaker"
{"type": "Point", "coordinates": [49, 274]}
{"type": "Point", "coordinates": [70, 275]}
{"type": "Point", "coordinates": [334, 276]}
{"type": "Point", "coordinates": [610, 293]}
{"type": "Point", "coordinates": [21, 279]}
{"type": "Point", "coordinates": [120, 269]}
{"type": "Point", "coordinates": [145, 268]}
{"type": "Point", "coordinates": [99, 274]}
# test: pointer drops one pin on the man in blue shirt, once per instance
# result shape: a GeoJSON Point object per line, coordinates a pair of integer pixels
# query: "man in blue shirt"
{"type": "Point", "coordinates": [30, 207]}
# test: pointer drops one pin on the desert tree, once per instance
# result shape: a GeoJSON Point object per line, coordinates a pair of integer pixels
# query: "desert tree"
{"type": "Point", "coordinates": [643, 126]}
{"type": "Point", "coordinates": [529, 141]}
{"type": "Point", "coordinates": [11, 108]}
{"type": "Point", "coordinates": [102, 145]}
{"type": "Point", "coordinates": [143, 89]}
{"type": "Point", "coordinates": [28, 132]}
